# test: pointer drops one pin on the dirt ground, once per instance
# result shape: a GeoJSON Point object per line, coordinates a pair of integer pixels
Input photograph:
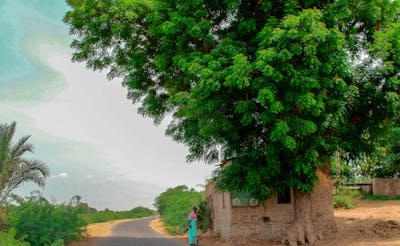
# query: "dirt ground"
{"type": "Point", "coordinates": [371, 223]}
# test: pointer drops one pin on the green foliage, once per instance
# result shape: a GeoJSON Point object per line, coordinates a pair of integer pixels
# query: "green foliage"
{"type": "Point", "coordinates": [15, 169]}
{"type": "Point", "coordinates": [58, 242]}
{"type": "Point", "coordinates": [7, 238]}
{"type": "Point", "coordinates": [385, 161]}
{"type": "Point", "coordinates": [41, 223]}
{"type": "Point", "coordinates": [347, 170]}
{"type": "Point", "coordinates": [38, 222]}
{"type": "Point", "coordinates": [175, 204]}
{"type": "Point", "coordinates": [276, 86]}
{"type": "Point", "coordinates": [107, 215]}
{"type": "Point", "coordinates": [204, 216]}
{"type": "Point", "coordinates": [345, 198]}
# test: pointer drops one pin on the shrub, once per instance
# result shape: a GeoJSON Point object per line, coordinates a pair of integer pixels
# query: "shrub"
{"type": "Point", "coordinates": [345, 198]}
{"type": "Point", "coordinates": [7, 238]}
{"type": "Point", "coordinates": [204, 216]}
{"type": "Point", "coordinates": [175, 204]}
{"type": "Point", "coordinates": [42, 223]}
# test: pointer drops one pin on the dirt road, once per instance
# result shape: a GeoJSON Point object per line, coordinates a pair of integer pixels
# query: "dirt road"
{"type": "Point", "coordinates": [130, 233]}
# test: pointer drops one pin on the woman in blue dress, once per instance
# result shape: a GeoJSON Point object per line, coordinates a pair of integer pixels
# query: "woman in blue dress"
{"type": "Point", "coordinates": [192, 226]}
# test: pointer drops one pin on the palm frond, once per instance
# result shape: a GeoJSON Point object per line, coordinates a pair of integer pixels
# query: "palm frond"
{"type": "Point", "coordinates": [29, 171]}
{"type": "Point", "coordinates": [6, 135]}
{"type": "Point", "coordinates": [35, 165]}
{"type": "Point", "coordinates": [21, 147]}
{"type": "Point", "coordinates": [14, 169]}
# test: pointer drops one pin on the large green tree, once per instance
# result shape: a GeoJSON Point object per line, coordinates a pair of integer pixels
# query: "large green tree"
{"type": "Point", "coordinates": [276, 86]}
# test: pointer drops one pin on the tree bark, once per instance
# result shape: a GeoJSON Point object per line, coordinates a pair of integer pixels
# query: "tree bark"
{"type": "Point", "coordinates": [302, 231]}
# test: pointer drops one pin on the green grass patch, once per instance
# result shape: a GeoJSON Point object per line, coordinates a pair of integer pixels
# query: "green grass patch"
{"type": "Point", "coordinates": [379, 197]}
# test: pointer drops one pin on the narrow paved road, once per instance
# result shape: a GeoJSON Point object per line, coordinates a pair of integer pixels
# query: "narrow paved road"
{"type": "Point", "coordinates": [136, 233]}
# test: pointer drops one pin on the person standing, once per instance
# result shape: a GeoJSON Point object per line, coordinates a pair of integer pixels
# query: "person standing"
{"type": "Point", "coordinates": [192, 226]}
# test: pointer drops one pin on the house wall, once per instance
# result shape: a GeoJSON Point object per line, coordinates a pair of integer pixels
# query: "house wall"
{"type": "Point", "coordinates": [386, 187]}
{"type": "Point", "coordinates": [269, 220]}
{"type": "Point", "coordinates": [221, 215]}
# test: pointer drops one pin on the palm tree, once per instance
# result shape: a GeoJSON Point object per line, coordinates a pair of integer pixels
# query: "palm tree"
{"type": "Point", "coordinates": [15, 169]}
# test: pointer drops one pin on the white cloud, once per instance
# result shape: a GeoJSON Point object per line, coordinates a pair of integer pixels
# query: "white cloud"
{"type": "Point", "coordinates": [95, 111]}
{"type": "Point", "coordinates": [59, 175]}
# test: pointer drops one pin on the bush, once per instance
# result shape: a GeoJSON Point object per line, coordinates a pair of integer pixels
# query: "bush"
{"type": "Point", "coordinates": [7, 238]}
{"type": "Point", "coordinates": [41, 223]}
{"type": "Point", "coordinates": [175, 204]}
{"type": "Point", "coordinates": [204, 216]}
{"type": "Point", "coordinates": [345, 198]}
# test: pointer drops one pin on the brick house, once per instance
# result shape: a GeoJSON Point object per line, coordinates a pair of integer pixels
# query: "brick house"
{"type": "Point", "coordinates": [241, 220]}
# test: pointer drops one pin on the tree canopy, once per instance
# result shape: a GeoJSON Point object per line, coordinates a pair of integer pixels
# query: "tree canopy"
{"type": "Point", "coordinates": [277, 86]}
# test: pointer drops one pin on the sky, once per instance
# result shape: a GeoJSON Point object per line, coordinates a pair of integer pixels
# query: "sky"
{"type": "Point", "coordinates": [82, 126]}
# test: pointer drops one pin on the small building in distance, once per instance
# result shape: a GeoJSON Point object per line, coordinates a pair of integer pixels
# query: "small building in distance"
{"type": "Point", "coordinates": [240, 219]}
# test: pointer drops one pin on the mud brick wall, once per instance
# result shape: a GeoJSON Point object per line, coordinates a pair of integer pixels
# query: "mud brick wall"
{"type": "Point", "coordinates": [221, 210]}
{"type": "Point", "coordinates": [386, 187]}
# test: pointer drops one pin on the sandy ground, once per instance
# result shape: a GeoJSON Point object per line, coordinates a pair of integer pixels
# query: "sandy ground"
{"type": "Point", "coordinates": [371, 223]}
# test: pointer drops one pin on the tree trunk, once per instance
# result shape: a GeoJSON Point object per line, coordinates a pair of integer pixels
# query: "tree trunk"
{"type": "Point", "coordinates": [302, 231]}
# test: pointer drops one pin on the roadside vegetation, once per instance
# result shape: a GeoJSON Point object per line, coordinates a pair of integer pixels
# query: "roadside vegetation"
{"type": "Point", "coordinates": [34, 221]}
{"type": "Point", "coordinates": [175, 204]}
{"type": "Point", "coordinates": [38, 222]}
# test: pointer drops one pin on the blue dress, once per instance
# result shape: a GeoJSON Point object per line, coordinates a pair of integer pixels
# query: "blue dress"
{"type": "Point", "coordinates": [192, 230]}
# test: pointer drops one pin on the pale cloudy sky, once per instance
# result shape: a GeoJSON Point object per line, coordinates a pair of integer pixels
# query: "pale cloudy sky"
{"type": "Point", "coordinates": [82, 125]}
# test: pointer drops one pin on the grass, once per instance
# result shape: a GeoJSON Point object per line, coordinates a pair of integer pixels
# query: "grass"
{"type": "Point", "coordinates": [366, 196]}
{"type": "Point", "coordinates": [347, 198]}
